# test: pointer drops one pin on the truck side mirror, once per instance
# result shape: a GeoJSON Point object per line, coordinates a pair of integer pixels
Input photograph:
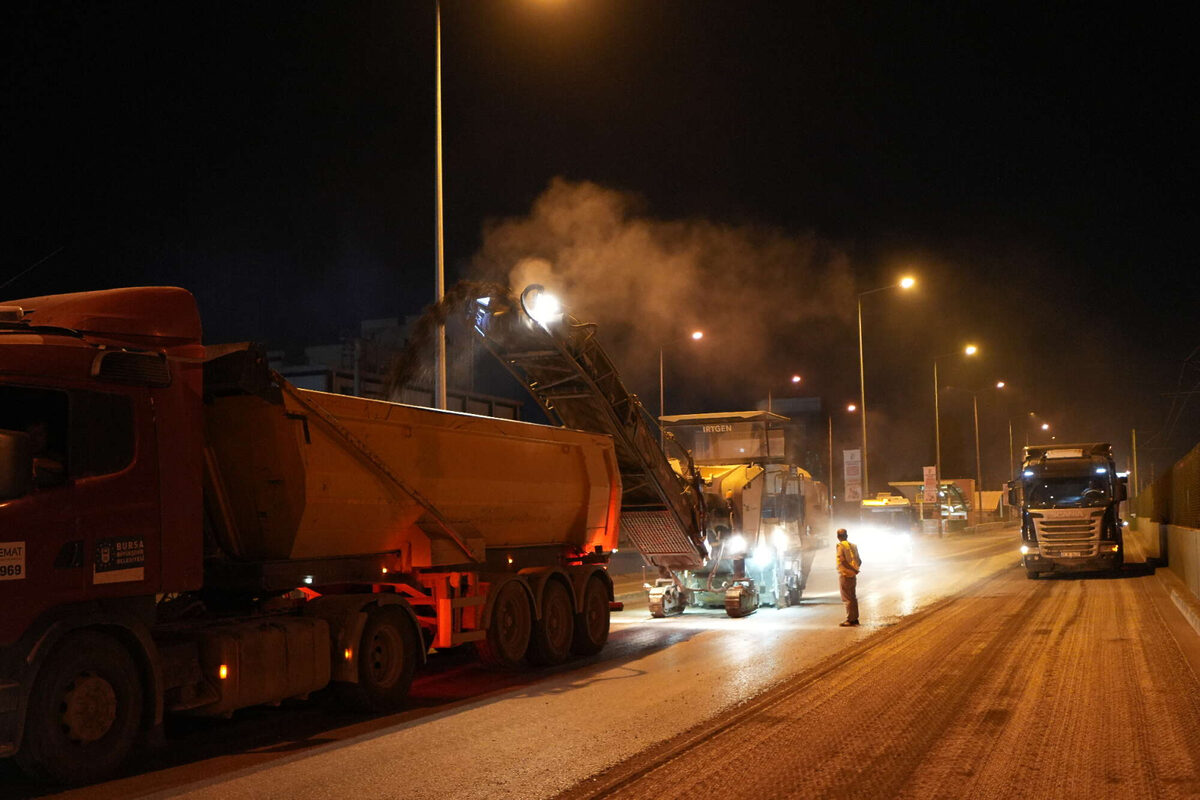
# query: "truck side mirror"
{"type": "Point", "coordinates": [1123, 489]}
{"type": "Point", "coordinates": [16, 464]}
{"type": "Point", "coordinates": [1014, 497]}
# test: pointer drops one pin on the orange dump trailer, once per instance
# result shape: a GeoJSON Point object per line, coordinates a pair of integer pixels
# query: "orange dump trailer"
{"type": "Point", "coordinates": [185, 532]}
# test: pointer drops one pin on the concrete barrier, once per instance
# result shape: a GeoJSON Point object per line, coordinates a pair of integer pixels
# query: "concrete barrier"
{"type": "Point", "coordinates": [1177, 548]}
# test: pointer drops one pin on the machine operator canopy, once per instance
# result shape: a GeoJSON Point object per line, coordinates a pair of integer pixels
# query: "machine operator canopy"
{"type": "Point", "coordinates": [732, 437]}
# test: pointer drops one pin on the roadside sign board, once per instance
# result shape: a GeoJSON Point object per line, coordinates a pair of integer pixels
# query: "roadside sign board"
{"type": "Point", "coordinates": [930, 484]}
{"type": "Point", "coordinates": [852, 463]}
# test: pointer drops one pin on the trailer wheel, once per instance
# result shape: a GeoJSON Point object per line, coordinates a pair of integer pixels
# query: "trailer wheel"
{"type": "Point", "coordinates": [554, 632]}
{"type": "Point", "coordinates": [591, 623]}
{"type": "Point", "coordinates": [509, 630]}
{"type": "Point", "coordinates": [387, 657]}
{"type": "Point", "coordinates": [84, 712]}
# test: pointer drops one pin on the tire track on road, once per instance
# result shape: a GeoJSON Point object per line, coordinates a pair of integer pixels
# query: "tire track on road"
{"type": "Point", "coordinates": [1051, 688]}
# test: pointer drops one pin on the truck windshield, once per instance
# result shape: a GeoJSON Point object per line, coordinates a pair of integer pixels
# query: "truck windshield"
{"type": "Point", "coordinates": [1066, 492]}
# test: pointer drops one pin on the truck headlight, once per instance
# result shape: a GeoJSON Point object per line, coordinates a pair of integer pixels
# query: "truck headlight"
{"type": "Point", "coordinates": [1024, 549]}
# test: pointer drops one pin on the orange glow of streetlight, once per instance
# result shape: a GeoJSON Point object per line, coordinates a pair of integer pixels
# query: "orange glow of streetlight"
{"type": "Point", "coordinates": [907, 282]}
{"type": "Point", "coordinates": [1000, 384]}
{"type": "Point", "coordinates": [852, 408]}
{"type": "Point", "coordinates": [697, 335]}
{"type": "Point", "coordinates": [796, 379]}
{"type": "Point", "coordinates": [1045, 426]}
{"type": "Point", "coordinates": [970, 350]}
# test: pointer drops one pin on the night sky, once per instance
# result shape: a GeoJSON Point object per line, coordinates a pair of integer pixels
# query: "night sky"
{"type": "Point", "coordinates": [742, 167]}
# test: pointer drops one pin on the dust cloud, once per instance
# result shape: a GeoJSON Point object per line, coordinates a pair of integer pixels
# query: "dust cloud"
{"type": "Point", "coordinates": [769, 302]}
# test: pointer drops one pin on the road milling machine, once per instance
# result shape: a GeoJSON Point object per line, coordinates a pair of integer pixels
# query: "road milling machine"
{"type": "Point", "coordinates": [767, 518]}
{"type": "Point", "coordinates": [672, 509]}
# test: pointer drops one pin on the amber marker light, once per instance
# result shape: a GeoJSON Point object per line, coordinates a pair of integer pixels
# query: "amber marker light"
{"type": "Point", "coordinates": [223, 671]}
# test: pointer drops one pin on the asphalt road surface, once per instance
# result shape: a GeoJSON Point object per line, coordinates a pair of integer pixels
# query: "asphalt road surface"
{"type": "Point", "coordinates": [965, 678]}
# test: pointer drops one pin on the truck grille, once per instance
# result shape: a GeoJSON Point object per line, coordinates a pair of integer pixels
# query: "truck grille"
{"type": "Point", "coordinates": [1068, 538]}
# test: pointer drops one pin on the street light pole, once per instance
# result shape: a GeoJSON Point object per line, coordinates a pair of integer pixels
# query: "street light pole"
{"type": "Point", "coordinates": [937, 431]}
{"type": "Point", "coordinates": [862, 397]}
{"type": "Point", "coordinates": [906, 282]}
{"type": "Point", "coordinates": [439, 387]}
{"type": "Point", "coordinates": [978, 466]}
{"type": "Point", "coordinates": [662, 433]}
{"type": "Point", "coordinates": [829, 489]}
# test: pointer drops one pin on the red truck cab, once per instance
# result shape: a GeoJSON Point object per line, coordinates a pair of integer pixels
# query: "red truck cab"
{"type": "Point", "coordinates": [95, 389]}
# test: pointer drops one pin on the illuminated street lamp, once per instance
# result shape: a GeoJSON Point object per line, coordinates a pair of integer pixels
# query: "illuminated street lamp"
{"type": "Point", "coordinates": [795, 381]}
{"type": "Point", "coordinates": [850, 408]}
{"type": "Point", "coordinates": [969, 350]}
{"type": "Point", "coordinates": [907, 282]}
{"type": "Point", "coordinates": [978, 460]}
{"type": "Point", "coordinates": [662, 436]}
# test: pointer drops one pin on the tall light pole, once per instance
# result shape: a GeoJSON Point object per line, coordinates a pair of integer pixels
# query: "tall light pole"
{"type": "Point", "coordinates": [662, 435]}
{"type": "Point", "coordinates": [978, 459]}
{"type": "Point", "coordinates": [969, 350]}
{"type": "Point", "coordinates": [978, 463]}
{"type": "Point", "coordinates": [439, 381]}
{"type": "Point", "coordinates": [851, 408]}
{"type": "Point", "coordinates": [907, 282]}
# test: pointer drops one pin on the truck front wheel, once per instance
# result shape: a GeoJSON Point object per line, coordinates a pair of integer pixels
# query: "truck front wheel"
{"type": "Point", "coordinates": [84, 712]}
{"type": "Point", "coordinates": [387, 657]}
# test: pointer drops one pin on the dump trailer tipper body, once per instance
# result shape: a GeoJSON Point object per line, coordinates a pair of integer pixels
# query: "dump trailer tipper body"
{"type": "Point", "coordinates": [182, 531]}
{"type": "Point", "coordinates": [1070, 497]}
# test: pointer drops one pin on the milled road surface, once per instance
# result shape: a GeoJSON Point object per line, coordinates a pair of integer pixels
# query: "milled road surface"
{"type": "Point", "coordinates": [1067, 687]}
{"type": "Point", "coordinates": [964, 678]}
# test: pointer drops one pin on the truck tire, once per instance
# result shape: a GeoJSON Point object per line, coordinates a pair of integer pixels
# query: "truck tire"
{"type": "Point", "coordinates": [591, 623]}
{"type": "Point", "coordinates": [1032, 574]}
{"type": "Point", "coordinates": [387, 658]}
{"type": "Point", "coordinates": [509, 629]}
{"type": "Point", "coordinates": [85, 710]}
{"type": "Point", "coordinates": [554, 632]}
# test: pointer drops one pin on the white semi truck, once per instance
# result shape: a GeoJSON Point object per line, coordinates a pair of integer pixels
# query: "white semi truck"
{"type": "Point", "coordinates": [1070, 497]}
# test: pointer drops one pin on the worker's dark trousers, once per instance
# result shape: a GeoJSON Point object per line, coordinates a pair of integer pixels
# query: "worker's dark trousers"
{"type": "Point", "coordinates": [849, 586]}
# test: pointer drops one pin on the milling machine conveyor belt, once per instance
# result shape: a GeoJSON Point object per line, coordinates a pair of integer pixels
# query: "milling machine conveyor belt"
{"type": "Point", "coordinates": [575, 382]}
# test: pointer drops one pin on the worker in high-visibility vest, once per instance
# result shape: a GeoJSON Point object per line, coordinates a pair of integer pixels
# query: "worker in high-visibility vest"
{"type": "Point", "coordinates": [848, 565]}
